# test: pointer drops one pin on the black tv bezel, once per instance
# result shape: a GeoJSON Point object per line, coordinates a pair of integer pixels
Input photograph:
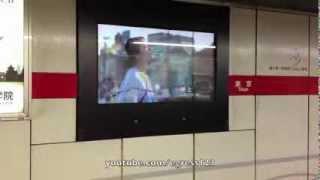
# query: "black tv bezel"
{"type": "Point", "coordinates": [108, 121]}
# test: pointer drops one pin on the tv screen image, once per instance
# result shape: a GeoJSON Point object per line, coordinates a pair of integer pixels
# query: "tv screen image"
{"type": "Point", "coordinates": [148, 65]}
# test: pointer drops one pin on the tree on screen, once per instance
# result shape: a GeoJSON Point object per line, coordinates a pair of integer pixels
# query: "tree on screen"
{"type": "Point", "coordinates": [11, 74]}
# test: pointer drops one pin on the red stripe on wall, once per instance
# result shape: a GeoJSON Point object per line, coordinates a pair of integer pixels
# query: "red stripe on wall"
{"type": "Point", "coordinates": [54, 85]}
{"type": "Point", "coordinates": [272, 85]}
{"type": "Point", "coordinates": [242, 85]}
{"type": "Point", "coordinates": [64, 85]}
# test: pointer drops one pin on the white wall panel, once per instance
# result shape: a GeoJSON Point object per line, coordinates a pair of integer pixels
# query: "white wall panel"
{"type": "Point", "coordinates": [53, 35]}
{"type": "Point", "coordinates": [76, 161]}
{"type": "Point", "coordinates": [314, 46]}
{"type": "Point", "coordinates": [53, 120]}
{"type": "Point", "coordinates": [233, 153]}
{"type": "Point", "coordinates": [290, 170]}
{"type": "Point", "coordinates": [314, 135]}
{"type": "Point", "coordinates": [242, 41]}
{"type": "Point", "coordinates": [282, 133]}
{"type": "Point", "coordinates": [282, 44]}
{"type": "Point", "coordinates": [314, 102]}
{"type": "Point", "coordinates": [241, 112]}
{"type": "Point", "coordinates": [15, 150]}
{"type": "Point", "coordinates": [177, 147]}
{"type": "Point", "coordinates": [242, 62]}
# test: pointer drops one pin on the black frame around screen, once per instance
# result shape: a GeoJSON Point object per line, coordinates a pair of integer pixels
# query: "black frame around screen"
{"type": "Point", "coordinates": [110, 121]}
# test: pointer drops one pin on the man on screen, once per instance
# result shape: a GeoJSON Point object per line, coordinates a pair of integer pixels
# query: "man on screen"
{"type": "Point", "coordinates": [136, 86]}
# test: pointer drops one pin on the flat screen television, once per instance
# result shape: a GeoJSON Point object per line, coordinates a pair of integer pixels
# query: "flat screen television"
{"type": "Point", "coordinates": [151, 68]}
{"type": "Point", "coordinates": [147, 65]}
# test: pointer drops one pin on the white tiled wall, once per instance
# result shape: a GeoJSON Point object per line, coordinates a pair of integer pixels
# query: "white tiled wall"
{"type": "Point", "coordinates": [242, 62]}
{"type": "Point", "coordinates": [282, 133]}
{"type": "Point", "coordinates": [242, 41]}
{"type": "Point", "coordinates": [178, 147]}
{"type": "Point", "coordinates": [241, 112]}
{"type": "Point", "coordinates": [53, 25]}
{"type": "Point", "coordinates": [15, 150]}
{"type": "Point", "coordinates": [76, 161]}
{"type": "Point", "coordinates": [283, 41]}
{"type": "Point", "coordinates": [313, 102]}
{"type": "Point", "coordinates": [314, 136]}
{"type": "Point", "coordinates": [53, 120]}
{"type": "Point", "coordinates": [233, 153]}
{"type": "Point", "coordinates": [282, 121]}
{"type": "Point", "coordinates": [314, 46]}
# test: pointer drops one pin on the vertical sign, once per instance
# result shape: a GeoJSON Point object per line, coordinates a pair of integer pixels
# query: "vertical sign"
{"type": "Point", "coordinates": [11, 56]}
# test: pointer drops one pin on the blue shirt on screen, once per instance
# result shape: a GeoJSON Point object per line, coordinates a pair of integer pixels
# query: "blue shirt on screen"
{"type": "Point", "coordinates": [136, 87]}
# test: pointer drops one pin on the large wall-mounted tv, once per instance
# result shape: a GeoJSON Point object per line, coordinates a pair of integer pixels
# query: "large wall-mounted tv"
{"type": "Point", "coordinates": [147, 65]}
{"type": "Point", "coordinates": [151, 68]}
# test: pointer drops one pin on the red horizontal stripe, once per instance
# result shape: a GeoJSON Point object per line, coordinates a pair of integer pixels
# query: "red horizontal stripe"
{"type": "Point", "coordinates": [242, 85]}
{"type": "Point", "coordinates": [64, 85]}
{"type": "Point", "coordinates": [272, 85]}
{"type": "Point", "coordinates": [54, 85]}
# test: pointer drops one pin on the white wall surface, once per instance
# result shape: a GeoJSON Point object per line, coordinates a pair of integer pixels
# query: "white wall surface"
{"type": "Point", "coordinates": [242, 62]}
{"type": "Point", "coordinates": [281, 122]}
{"type": "Point", "coordinates": [15, 150]}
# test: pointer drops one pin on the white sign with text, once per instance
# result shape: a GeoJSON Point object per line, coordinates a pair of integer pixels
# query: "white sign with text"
{"type": "Point", "coordinates": [11, 56]}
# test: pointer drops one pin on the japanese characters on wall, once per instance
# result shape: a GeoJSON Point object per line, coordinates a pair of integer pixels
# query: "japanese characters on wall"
{"type": "Point", "coordinates": [11, 56]}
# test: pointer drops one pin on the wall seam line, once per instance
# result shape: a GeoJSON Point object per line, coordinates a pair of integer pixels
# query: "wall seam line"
{"type": "Point", "coordinates": [308, 115]}
{"type": "Point", "coordinates": [255, 96]}
{"type": "Point", "coordinates": [121, 157]}
{"type": "Point", "coordinates": [194, 155]}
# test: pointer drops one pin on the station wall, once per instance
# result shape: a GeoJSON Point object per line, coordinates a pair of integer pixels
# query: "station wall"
{"type": "Point", "coordinates": [272, 135]}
